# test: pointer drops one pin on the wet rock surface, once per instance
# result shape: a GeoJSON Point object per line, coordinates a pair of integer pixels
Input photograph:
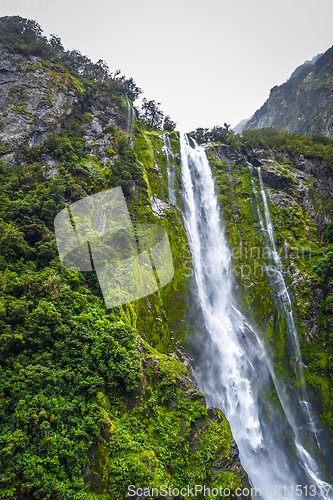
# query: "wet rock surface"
{"type": "Point", "coordinates": [275, 180]}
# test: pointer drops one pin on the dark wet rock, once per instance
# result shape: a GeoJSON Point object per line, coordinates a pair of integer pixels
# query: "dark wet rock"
{"type": "Point", "coordinates": [228, 154]}
{"type": "Point", "coordinates": [275, 180]}
{"type": "Point", "coordinates": [214, 415]}
{"type": "Point", "coordinates": [254, 161]}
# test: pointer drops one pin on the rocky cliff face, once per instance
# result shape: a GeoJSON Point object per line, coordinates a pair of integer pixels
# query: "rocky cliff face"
{"type": "Point", "coordinates": [98, 407]}
{"type": "Point", "coordinates": [303, 104]}
{"type": "Point", "coordinates": [38, 97]}
{"type": "Point", "coordinates": [306, 64]}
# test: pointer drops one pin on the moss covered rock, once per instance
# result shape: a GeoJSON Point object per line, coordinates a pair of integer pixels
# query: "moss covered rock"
{"type": "Point", "coordinates": [162, 435]}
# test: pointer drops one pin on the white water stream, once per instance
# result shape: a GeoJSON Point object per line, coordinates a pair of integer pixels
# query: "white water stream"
{"type": "Point", "coordinates": [279, 282]}
{"type": "Point", "coordinates": [233, 369]}
{"type": "Point", "coordinates": [167, 149]}
{"type": "Point", "coordinates": [130, 121]}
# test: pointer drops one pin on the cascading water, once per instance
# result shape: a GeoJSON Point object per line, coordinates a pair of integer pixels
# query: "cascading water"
{"type": "Point", "coordinates": [233, 369]}
{"type": "Point", "coordinates": [130, 120]}
{"type": "Point", "coordinates": [283, 294]}
{"type": "Point", "coordinates": [170, 168]}
{"type": "Point", "coordinates": [255, 194]}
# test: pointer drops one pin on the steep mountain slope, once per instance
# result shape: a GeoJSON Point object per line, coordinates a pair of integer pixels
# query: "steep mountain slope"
{"type": "Point", "coordinates": [306, 64]}
{"type": "Point", "coordinates": [303, 104]}
{"type": "Point", "coordinates": [92, 400]}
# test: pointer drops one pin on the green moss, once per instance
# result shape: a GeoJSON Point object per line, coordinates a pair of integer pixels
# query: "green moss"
{"type": "Point", "coordinates": [88, 117]}
{"type": "Point", "coordinates": [163, 440]}
{"type": "Point", "coordinates": [18, 92]}
{"type": "Point", "coordinates": [160, 317]}
{"type": "Point", "coordinates": [21, 109]}
{"type": "Point", "coordinates": [65, 81]}
{"type": "Point", "coordinates": [4, 147]}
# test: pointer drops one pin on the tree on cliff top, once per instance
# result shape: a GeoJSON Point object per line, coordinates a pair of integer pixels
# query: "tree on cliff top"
{"type": "Point", "coordinates": [151, 114]}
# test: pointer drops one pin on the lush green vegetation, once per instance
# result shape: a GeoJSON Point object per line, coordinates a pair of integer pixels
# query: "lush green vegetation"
{"type": "Point", "coordinates": [216, 134]}
{"type": "Point", "coordinates": [59, 346]}
{"type": "Point", "coordinates": [152, 443]}
{"type": "Point", "coordinates": [317, 146]}
{"type": "Point", "coordinates": [75, 421]}
{"type": "Point", "coordinates": [153, 117]}
{"type": "Point", "coordinates": [69, 367]}
{"type": "Point", "coordinates": [125, 168]}
{"type": "Point", "coordinates": [266, 139]}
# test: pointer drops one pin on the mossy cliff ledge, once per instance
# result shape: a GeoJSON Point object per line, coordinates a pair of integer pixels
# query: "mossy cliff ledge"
{"type": "Point", "coordinates": [163, 434]}
{"type": "Point", "coordinates": [37, 96]}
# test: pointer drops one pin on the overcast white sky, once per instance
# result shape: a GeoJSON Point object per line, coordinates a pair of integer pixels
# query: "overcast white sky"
{"type": "Point", "coordinates": [206, 62]}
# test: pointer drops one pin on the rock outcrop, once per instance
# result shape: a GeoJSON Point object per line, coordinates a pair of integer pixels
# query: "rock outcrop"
{"type": "Point", "coordinates": [38, 96]}
{"type": "Point", "coordinates": [303, 104]}
{"type": "Point", "coordinates": [167, 386]}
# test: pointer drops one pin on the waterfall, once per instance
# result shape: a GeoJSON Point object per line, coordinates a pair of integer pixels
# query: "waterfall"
{"type": "Point", "coordinates": [285, 301]}
{"type": "Point", "coordinates": [256, 194]}
{"type": "Point", "coordinates": [130, 120]}
{"type": "Point", "coordinates": [232, 367]}
{"type": "Point", "coordinates": [170, 168]}
{"type": "Point", "coordinates": [283, 294]}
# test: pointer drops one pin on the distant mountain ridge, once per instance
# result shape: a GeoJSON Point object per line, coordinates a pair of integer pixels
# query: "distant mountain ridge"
{"type": "Point", "coordinates": [304, 103]}
{"type": "Point", "coordinates": [306, 64]}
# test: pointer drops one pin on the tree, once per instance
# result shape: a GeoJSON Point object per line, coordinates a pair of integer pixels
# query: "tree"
{"type": "Point", "coordinates": [216, 134]}
{"type": "Point", "coordinates": [56, 44]}
{"type": "Point", "coordinates": [200, 135]}
{"type": "Point", "coordinates": [151, 114]}
{"type": "Point", "coordinates": [169, 124]}
{"type": "Point", "coordinates": [132, 90]}
{"type": "Point", "coordinates": [24, 36]}
{"type": "Point", "coordinates": [17, 25]}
